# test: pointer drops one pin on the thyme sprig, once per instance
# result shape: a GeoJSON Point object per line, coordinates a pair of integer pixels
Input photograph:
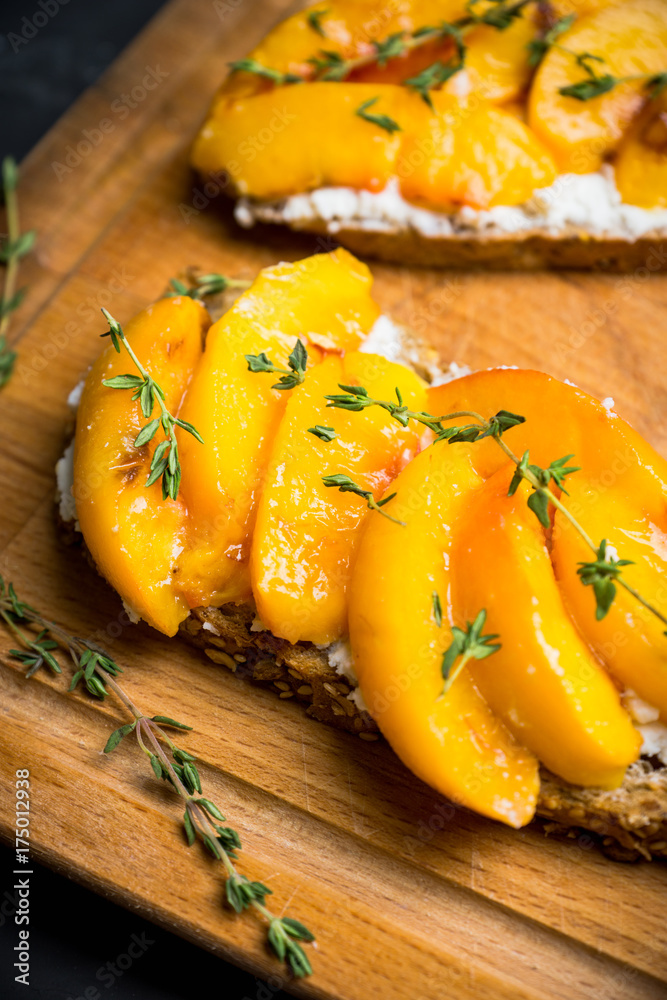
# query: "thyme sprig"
{"type": "Point", "coordinates": [15, 247]}
{"type": "Point", "coordinates": [202, 819]}
{"type": "Point", "coordinates": [600, 573]}
{"type": "Point", "coordinates": [314, 19]}
{"type": "Point", "coordinates": [329, 65]}
{"type": "Point", "coordinates": [382, 121]}
{"type": "Point", "coordinates": [204, 285]}
{"type": "Point", "coordinates": [594, 83]}
{"type": "Point", "coordinates": [347, 485]}
{"type": "Point", "coordinates": [297, 362]}
{"type": "Point", "coordinates": [274, 75]}
{"type": "Point", "coordinates": [325, 434]}
{"type": "Point", "coordinates": [467, 644]}
{"type": "Point", "coordinates": [166, 463]}
{"type": "Point", "coordinates": [538, 47]}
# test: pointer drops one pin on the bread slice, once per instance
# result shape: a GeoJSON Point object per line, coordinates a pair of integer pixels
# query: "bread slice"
{"type": "Point", "coordinates": [579, 222]}
{"type": "Point", "coordinates": [630, 822]}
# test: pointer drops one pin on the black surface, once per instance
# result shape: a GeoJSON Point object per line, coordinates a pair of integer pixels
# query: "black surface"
{"type": "Point", "coordinates": [74, 934]}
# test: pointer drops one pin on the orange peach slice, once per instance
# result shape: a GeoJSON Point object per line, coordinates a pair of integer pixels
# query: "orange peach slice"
{"type": "Point", "coordinates": [641, 163]}
{"type": "Point", "coordinates": [631, 39]}
{"type": "Point", "coordinates": [455, 743]}
{"type": "Point", "coordinates": [134, 536]}
{"type": "Point", "coordinates": [306, 534]}
{"type": "Point", "coordinates": [543, 682]}
{"type": "Point", "coordinates": [478, 156]}
{"type": "Point", "coordinates": [300, 138]}
{"type": "Point", "coordinates": [633, 519]}
{"type": "Point", "coordinates": [325, 300]}
{"type": "Point", "coordinates": [458, 153]}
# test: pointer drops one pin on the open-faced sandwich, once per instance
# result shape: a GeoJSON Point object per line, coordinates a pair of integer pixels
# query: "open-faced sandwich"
{"type": "Point", "coordinates": [497, 132]}
{"type": "Point", "coordinates": [287, 489]}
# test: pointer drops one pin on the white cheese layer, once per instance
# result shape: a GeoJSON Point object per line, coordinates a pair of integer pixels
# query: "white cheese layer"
{"type": "Point", "coordinates": [586, 202]}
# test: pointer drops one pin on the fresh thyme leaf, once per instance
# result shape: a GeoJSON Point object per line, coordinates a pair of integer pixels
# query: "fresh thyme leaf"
{"type": "Point", "coordinates": [118, 735]}
{"type": "Point", "coordinates": [297, 362]}
{"type": "Point", "coordinates": [241, 893]}
{"type": "Point", "coordinates": [16, 246]}
{"type": "Point", "coordinates": [165, 463]}
{"type": "Point", "coordinates": [538, 47]}
{"type": "Point", "coordinates": [347, 485]}
{"type": "Point", "coordinates": [390, 47]}
{"type": "Point", "coordinates": [656, 85]}
{"type": "Point", "coordinates": [166, 721]}
{"type": "Point", "coordinates": [431, 77]}
{"type": "Point", "coordinates": [189, 828]}
{"type": "Point", "coordinates": [559, 470]}
{"type": "Point", "coordinates": [274, 75]}
{"type": "Point", "coordinates": [500, 16]}
{"type": "Point", "coordinates": [204, 285]}
{"type": "Point", "coordinates": [329, 65]}
{"type": "Point", "coordinates": [323, 433]}
{"type": "Point", "coordinates": [382, 121]}
{"type": "Point", "coordinates": [315, 21]}
{"type": "Point", "coordinates": [494, 427]}
{"type": "Point", "coordinates": [296, 929]}
{"type": "Point", "coordinates": [437, 608]}
{"type": "Point", "coordinates": [586, 90]}
{"type": "Point", "coordinates": [539, 504]}
{"type": "Point", "coordinates": [600, 575]}
{"type": "Point", "coordinates": [466, 645]}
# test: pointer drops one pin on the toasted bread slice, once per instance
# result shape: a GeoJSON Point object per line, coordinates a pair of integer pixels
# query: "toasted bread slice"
{"type": "Point", "coordinates": [629, 822]}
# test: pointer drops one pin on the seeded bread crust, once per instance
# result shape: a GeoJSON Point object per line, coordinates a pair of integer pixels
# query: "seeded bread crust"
{"type": "Point", "coordinates": [631, 821]}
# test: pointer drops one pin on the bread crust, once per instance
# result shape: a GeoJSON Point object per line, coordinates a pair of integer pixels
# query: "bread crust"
{"type": "Point", "coordinates": [522, 251]}
{"type": "Point", "coordinates": [630, 822]}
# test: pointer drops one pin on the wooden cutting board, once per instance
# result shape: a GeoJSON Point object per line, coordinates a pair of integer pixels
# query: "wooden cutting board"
{"type": "Point", "coordinates": [404, 903]}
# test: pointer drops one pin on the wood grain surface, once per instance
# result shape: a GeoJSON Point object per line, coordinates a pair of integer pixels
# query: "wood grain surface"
{"type": "Point", "coordinates": [408, 899]}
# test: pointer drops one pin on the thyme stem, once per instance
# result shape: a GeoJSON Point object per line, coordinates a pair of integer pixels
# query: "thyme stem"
{"type": "Point", "coordinates": [99, 671]}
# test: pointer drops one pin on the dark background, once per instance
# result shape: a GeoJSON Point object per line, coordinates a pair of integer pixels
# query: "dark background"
{"type": "Point", "coordinates": [74, 933]}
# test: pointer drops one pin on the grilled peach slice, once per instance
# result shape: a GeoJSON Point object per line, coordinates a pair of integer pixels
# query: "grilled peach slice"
{"type": "Point", "coordinates": [454, 742]}
{"type": "Point", "coordinates": [134, 536]}
{"type": "Point", "coordinates": [543, 682]}
{"type": "Point", "coordinates": [306, 534]}
{"type": "Point", "coordinates": [325, 300]}
{"type": "Point", "coordinates": [641, 163]}
{"type": "Point", "coordinates": [631, 39]}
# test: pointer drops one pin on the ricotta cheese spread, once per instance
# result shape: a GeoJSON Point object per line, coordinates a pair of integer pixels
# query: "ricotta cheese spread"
{"type": "Point", "coordinates": [589, 202]}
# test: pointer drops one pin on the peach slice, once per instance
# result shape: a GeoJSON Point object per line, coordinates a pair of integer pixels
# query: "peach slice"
{"type": "Point", "coordinates": [496, 64]}
{"type": "Point", "coordinates": [306, 534]}
{"type": "Point", "coordinates": [619, 494]}
{"type": "Point", "coordinates": [459, 153]}
{"type": "Point", "coordinates": [348, 27]}
{"type": "Point", "coordinates": [641, 163]}
{"type": "Point", "coordinates": [325, 300]}
{"type": "Point", "coordinates": [300, 138]}
{"type": "Point", "coordinates": [478, 156]}
{"type": "Point", "coordinates": [543, 682]}
{"type": "Point", "coordinates": [633, 519]}
{"type": "Point", "coordinates": [632, 40]}
{"type": "Point", "coordinates": [455, 743]}
{"type": "Point", "coordinates": [134, 536]}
